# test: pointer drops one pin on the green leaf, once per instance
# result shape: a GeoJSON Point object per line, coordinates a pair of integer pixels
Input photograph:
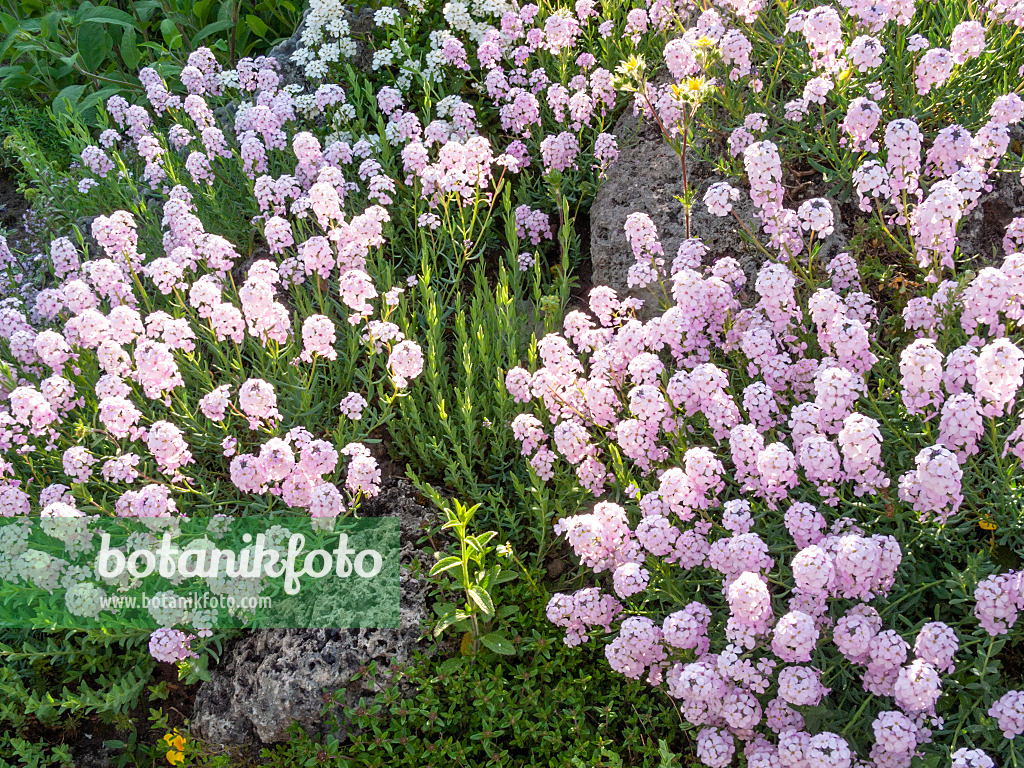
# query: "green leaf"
{"type": "Point", "coordinates": [479, 596]}
{"type": "Point", "coordinates": [257, 25]}
{"type": "Point", "coordinates": [172, 37]}
{"type": "Point", "coordinates": [146, 9]}
{"type": "Point", "coordinates": [87, 104]}
{"type": "Point", "coordinates": [107, 15]}
{"type": "Point", "coordinates": [201, 9]}
{"type": "Point", "coordinates": [16, 79]}
{"type": "Point", "coordinates": [451, 666]}
{"type": "Point", "coordinates": [9, 23]}
{"type": "Point", "coordinates": [499, 644]}
{"type": "Point", "coordinates": [212, 29]}
{"type": "Point", "coordinates": [445, 565]}
{"type": "Point", "coordinates": [130, 50]}
{"type": "Point", "coordinates": [505, 576]}
{"type": "Point", "coordinates": [94, 46]}
{"type": "Point", "coordinates": [444, 622]}
{"type": "Point", "coordinates": [65, 101]}
{"type": "Point", "coordinates": [486, 536]}
{"type": "Point", "coordinates": [668, 758]}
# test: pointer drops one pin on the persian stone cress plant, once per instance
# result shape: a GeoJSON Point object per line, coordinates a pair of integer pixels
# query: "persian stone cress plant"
{"type": "Point", "coordinates": [784, 496]}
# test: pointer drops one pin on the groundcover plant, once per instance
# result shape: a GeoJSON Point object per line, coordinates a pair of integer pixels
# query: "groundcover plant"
{"type": "Point", "coordinates": [795, 509]}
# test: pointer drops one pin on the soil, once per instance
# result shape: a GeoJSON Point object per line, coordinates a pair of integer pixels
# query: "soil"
{"type": "Point", "coordinates": [13, 206]}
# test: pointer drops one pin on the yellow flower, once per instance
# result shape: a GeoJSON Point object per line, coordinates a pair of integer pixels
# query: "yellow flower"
{"type": "Point", "coordinates": [705, 42]}
{"type": "Point", "coordinates": [987, 524]}
{"type": "Point", "coordinates": [175, 746]}
{"type": "Point", "coordinates": [694, 84]}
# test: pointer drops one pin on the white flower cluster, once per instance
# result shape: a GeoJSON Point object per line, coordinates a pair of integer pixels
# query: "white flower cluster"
{"type": "Point", "coordinates": [166, 609]}
{"type": "Point", "coordinates": [64, 522]}
{"type": "Point", "coordinates": [39, 568]}
{"type": "Point", "coordinates": [386, 16]}
{"type": "Point", "coordinates": [466, 16]}
{"type": "Point", "coordinates": [13, 542]}
{"type": "Point", "coordinates": [219, 525]}
{"type": "Point", "coordinates": [84, 599]}
{"type": "Point", "coordinates": [326, 38]}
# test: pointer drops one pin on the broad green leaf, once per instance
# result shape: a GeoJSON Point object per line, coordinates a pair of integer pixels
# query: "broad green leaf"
{"type": "Point", "coordinates": [257, 25]}
{"type": "Point", "coordinates": [498, 643]}
{"type": "Point", "coordinates": [201, 9]}
{"type": "Point", "coordinates": [479, 596]}
{"type": "Point", "coordinates": [443, 623]}
{"type": "Point", "coordinates": [445, 565]}
{"type": "Point", "coordinates": [8, 22]}
{"type": "Point", "coordinates": [130, 50]}
{"type": "Point", "coordinates": [505, 576]}
{"type": "Point", "coordinates": [485, 537]}
{"type": "Point", "coordinates": [71, 95]}
{"type": "Point", "coordinates": [211, 29]}
{"type": "Point", "coordinates": [48, 24]}
{"type": "Point", "coordinates": [107, 15]}
{"type": "Point", "coordinates": [19, 79]}
{"type": "Point", "coordinates": [172, 37]}
{"type": "Point", "coordinates": [90, 101]}
{"type": "Point", "coordinates": [146, 9]}
{"type": "Point", "coordinates": [94, 46]}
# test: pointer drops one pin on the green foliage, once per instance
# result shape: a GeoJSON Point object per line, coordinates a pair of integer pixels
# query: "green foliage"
{"type": "Point", "coordinates": [550, 705]}
{"type": "Point", "coordinates": [21, 121]}
{"type": "Point", "coordinates": [454, 427]}
{"type": "Point", "coordinates": [75, 56]}
{"type": "Point", "coordinates": [49, 677]}
{"type": "Point", "coordinates": [475, 577]}
{"type": "Point", "coordinates": [22, 753]}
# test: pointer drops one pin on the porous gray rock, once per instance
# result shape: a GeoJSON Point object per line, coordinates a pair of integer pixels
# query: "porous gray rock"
{"type": "Point", "coordinates": [269, 679]}
{"type": "Point", "coordinates": [291, 73]}
{"type": "Point", "coordinates": [647, 177]}
{"type": "Point", "coordinates": [981, 232]}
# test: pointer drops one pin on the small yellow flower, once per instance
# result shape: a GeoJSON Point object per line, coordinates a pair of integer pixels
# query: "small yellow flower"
{"type": "Point", "coordinates": [986, 524]}
{"type": "Point", "coordinates": [175, 747]}
{"type": "Point", "coordinates": [694, 84]}
{"type": "Point", "coordinates": [705, 42]}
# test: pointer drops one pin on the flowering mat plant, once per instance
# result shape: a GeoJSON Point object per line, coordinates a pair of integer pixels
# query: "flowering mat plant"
{"type": "Point", "coordinates": [791, 507]}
